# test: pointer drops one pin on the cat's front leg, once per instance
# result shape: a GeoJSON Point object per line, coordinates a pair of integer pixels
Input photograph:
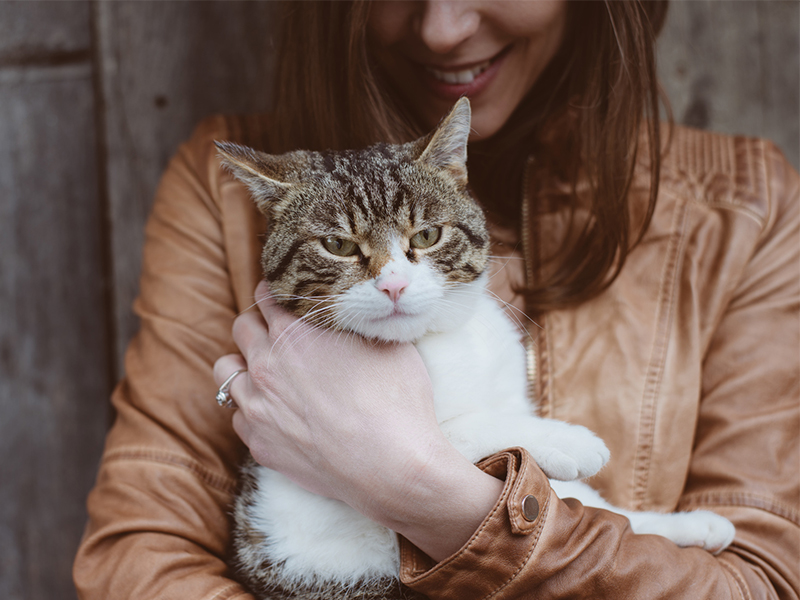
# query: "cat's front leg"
{"type": "Point", "coordinates": [701, 528]}
{"type": "Point", "coordinates": [562, 450]}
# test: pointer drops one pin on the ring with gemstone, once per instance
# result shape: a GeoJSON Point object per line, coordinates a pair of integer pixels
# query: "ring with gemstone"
{"type": "Point", "coordinates": [224, 398]}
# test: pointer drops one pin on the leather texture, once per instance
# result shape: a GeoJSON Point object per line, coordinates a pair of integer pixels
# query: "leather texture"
{"type": "Point", "coordinates": [688, 366]}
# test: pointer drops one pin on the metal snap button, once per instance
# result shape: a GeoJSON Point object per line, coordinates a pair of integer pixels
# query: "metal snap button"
{"type": "Point", "coordinates": [530, 507]}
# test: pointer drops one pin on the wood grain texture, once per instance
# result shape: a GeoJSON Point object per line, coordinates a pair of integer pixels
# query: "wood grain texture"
{"type": "Point", "coordinates": [734, 67]}
{"type": "Point", "coordinates": [54, 375]}
{"type": "Point", "coordinates": [30, 30]}
{"type": "Point", "coordinates": [165, 66]}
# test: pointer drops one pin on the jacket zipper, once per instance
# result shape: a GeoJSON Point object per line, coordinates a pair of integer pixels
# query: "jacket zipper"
{"type": "Point", "coordinates": [532, 359]}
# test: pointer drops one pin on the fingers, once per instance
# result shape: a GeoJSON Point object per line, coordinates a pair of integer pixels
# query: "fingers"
{"type": "Point", "coordinates": [262, 293]}
{"type": "Point", "coordinates": [250, 332]}
{"type": "Point", "coordinates": [254, 331]}
{"type": "Point", "coordinates": [277, 317]}
{"type": "Point", "coordinates": [228, 371]}
{"type": "Point", "coordinates": [226, 366]}
{"type": "Point", "coordinates": [242, 428]}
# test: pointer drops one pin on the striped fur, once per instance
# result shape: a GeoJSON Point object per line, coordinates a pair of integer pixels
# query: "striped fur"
{"type": "Point", "coordinates": [377, 197]}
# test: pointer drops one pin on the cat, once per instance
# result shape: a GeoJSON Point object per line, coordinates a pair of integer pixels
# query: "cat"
{"type": "Point", "coordinates": [388, 243]}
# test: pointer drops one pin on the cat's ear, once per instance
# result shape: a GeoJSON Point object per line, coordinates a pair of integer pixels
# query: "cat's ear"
{"type": "Point", "coordinates": [265, 175]}
{"type": "Point", "coordinates": [447, 146]}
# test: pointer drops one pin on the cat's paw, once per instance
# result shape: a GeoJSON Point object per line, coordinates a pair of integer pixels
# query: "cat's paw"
{"type": "Point", "coordinates": [700, 528]}
{"type": "Point", "coordinates": [563, 451]}
{"type": "Point", "coordinates": [569, 452]}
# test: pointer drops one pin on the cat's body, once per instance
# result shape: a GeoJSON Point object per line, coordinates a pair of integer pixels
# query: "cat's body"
{"type": "Point", "coordinates": [399, 252]}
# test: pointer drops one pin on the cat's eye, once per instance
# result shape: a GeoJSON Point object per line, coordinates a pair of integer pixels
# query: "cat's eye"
{"type": "Point", "coordinates": [340, 246]}
{"type": "Point", "coordinates": [425, 238]}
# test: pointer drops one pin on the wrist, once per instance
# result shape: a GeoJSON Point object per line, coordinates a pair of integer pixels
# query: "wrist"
{"type": "Point", "coordinates": [440, 502]}
{"type": "Point", "coordinates": [512, 530]}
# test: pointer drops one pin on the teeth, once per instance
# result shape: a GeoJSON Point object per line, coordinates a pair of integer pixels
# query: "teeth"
{"type": "Point", "coordinates": [459, 77]}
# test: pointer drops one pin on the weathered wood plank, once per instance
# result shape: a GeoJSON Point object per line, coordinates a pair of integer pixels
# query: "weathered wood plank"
{"type": "Point", "coordinates": [53, 344]}
{"type": "Point", "coordinates": [735, 67]}
{"type": "Point", "coordinates": [54, 368]}
{"type": "Point", "coordinates": [165, 66]}
{"type": "Point", "coordinates": [40, 30]}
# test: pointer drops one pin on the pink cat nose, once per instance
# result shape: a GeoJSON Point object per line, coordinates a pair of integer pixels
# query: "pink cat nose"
{"type": "Point", "coordinates": [393, 286]}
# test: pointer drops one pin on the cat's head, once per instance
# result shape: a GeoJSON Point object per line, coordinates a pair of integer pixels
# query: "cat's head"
{"type": "Point", "coordinates": [386, 242]}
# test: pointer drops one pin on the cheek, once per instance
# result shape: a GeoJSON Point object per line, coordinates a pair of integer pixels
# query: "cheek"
{"type": "Point", "coordinates": [530, 19]}
{"type": "Point", "coordinates": [388, 21]}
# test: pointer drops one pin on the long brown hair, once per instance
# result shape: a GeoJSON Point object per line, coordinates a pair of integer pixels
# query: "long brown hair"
{"type": "Point", "coordinates": [585, 120]}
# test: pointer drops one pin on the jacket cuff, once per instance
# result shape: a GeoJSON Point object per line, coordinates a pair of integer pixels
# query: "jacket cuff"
{"type": "Point", "coordinates": [500, 547]}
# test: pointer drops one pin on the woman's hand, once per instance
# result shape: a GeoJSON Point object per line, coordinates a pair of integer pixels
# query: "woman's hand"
{"type": "Point", "coordinates": [353, 420]}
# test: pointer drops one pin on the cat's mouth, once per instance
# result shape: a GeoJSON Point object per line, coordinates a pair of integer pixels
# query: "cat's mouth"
{"type": "Point", "coordinates": [397, 317]}
{"type": "Point", "coordinates": [395, 326]}
{"type": "Point", "coordinates": [397, 313]}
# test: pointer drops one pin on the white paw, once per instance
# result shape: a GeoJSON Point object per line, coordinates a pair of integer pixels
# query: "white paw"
{"type": "Point", "coordinates": [699, 528]}
{"type": "Point", "coordinates": [569, 452]}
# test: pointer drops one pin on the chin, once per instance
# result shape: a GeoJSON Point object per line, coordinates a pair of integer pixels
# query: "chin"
{"type": "Point", "coordinates": [398, 328]}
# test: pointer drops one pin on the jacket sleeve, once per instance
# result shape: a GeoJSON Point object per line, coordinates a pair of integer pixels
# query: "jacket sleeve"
{"type": "Point", "coordinates": [745, 466]}
{"type": "Point", "coordinates": [158, 523]}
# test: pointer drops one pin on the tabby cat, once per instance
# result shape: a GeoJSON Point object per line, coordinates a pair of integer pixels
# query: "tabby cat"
{"type": "Point", "coordinates": [388, 243]}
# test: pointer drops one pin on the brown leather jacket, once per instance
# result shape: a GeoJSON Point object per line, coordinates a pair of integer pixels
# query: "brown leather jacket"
{"type": "Point", "coordinates": [687, 367]}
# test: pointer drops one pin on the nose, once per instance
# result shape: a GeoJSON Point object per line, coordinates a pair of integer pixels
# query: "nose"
{"type": "Point", "coordinates": [392, 285]}
{"type": "Point", "coordinates": [443, 25]}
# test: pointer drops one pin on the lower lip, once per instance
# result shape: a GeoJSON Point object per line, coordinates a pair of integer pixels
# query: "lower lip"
{"type": "Point", "coordinates": [454, 91]}
{"type": "Point", "coordinates": [397, 314]}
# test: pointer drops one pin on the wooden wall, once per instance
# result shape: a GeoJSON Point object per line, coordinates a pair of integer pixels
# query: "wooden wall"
{"type": "Point", "coordinates": [94, 98]}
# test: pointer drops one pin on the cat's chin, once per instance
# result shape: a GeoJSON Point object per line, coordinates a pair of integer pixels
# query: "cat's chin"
{"type": "Point", "coordinates": [394, 328]}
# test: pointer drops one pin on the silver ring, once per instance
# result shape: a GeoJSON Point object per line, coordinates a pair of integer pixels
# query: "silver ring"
{"type": "Point", "coordinates": [224, 398]}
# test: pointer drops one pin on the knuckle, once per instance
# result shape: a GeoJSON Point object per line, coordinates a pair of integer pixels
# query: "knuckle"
{"type": "Point", "coordinates": [222, 368]}
{"type": "Point", "coordinates": [240, 326]}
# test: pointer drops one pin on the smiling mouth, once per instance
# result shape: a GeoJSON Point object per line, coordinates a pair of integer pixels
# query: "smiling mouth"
{"type": "Point", "coordinates": [464, 76]}
{"type": "Point", "coordinates": [461, 77]}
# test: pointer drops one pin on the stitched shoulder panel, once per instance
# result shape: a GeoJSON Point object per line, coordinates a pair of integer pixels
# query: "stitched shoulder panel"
{"type": "Point", "coordinates": [721, 170]}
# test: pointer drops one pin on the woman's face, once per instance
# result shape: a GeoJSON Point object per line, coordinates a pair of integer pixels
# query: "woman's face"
{"type": "Point", "coordinates": [489, 50]}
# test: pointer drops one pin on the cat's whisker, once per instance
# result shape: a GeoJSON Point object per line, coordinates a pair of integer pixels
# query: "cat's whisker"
{"type": "Point", "coordinates": [244, 310]}
{"type": "Point", "coordinates": [455, 303]}
{"type": "Point", "coordinates": [503, 262]}
{"type": "Point", "coordinates": [504, 257]}
{"type": "Point", "coordinates": [510, 314]}
{"type": "Point", "coordinates": [300, 297]}
{"type": "Point", "coordinates": [286, 296]}
{"type": "Point", "coordinates": [296, 337]}
{"type": "Point", "coordinates": [515, 311]}
{"type": "Point", "coordinates": [304, 334]}
{"type": "Point", "coordinates": [346, 324]}
{"type": "Point", "coordinates": [360, 321]}
{"type": "Point", "coordinates": [288, 333]}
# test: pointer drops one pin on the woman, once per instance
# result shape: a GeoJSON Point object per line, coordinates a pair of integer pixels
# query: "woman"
{"type": "Point", "coordinates": [669, 328]}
